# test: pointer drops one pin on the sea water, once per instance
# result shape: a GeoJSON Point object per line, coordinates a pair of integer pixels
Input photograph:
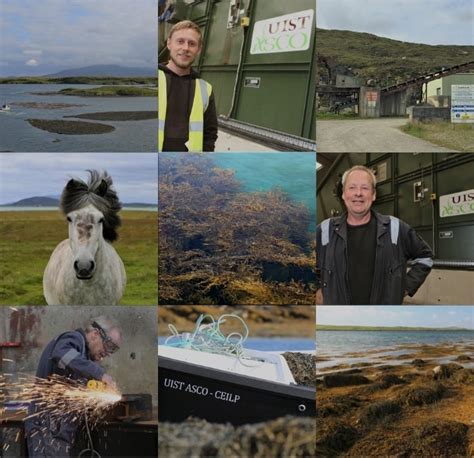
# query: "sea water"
{"type": "Point", "coordinates": [278, 344]}
{"type": "Point", "coordinates": [16, 134]}
{"type": "Point", "coordinates": [340, 342]}
{"type": "Point", "coordinates": [293, 173]}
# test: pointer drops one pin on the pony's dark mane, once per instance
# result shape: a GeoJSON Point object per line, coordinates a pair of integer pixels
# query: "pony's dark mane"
{"type": "Point", "coordinates": [99, 192]}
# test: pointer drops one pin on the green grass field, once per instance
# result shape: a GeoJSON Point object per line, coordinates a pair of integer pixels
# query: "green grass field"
{"type": "Point", "coordinates": [458, 137]}
{"type": "Point", "coordinates": [27, 239]}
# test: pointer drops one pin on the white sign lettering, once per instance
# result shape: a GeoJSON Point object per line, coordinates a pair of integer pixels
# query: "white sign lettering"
{"type": "Point", "coordinates": [462, 103]}
{"type": "Point", "coordinates": [459, 203]}
{"type": "Point", "coordinates": [200, 390]}
{"type": "Point", "coordinates": [288, 33]}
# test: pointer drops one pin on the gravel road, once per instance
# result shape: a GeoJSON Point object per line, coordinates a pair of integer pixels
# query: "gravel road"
{"type": "Point", "coordinates": [380, 135]}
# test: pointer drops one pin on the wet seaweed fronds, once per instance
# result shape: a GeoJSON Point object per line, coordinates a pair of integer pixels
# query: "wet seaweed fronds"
{"type": "Point", "coordinates": [422, 394]}
{"type": "Point", "coordinates": [378, 411]}
{"type": "Point", "coordinates": [302, 366]}
{"type": "Point", "coordinates": [219, 245]}
{"type": "Point", "coordinates": [433, 438]}
{"type": "Point", "coordinates": [346, 379]}
{"type": "Point", "coordinates": [334, 437]}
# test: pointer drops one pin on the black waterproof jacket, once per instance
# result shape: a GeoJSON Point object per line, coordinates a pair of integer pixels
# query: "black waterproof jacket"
{"type": "Point", "coordinates": [397, 243]}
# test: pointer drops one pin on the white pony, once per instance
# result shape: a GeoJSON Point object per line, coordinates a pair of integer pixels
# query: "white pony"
{"type": "Point", "coordinates": [85, 269]}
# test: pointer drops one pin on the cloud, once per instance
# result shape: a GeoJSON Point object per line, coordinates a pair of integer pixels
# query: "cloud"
{"type": "Point", "coordinates": [428, 316]}
{"type": "Point", "coordinates": [77, 33]}
{"type": "Point", "coordinates": [32, 52]}
{"type": "Point", "coordinates": [32, 63]}
{"type": "Point", "coordinates": [134, 174]}
{"type": "Point", "coordinates": [424, 21]}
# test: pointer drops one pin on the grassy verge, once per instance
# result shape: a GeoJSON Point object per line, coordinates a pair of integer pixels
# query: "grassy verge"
{"type": "Point", "coordinates": [111, 91]}
{"type": "Point", "coordinates": [337, 117]}
{"type": "Point", "coordinates": [458, 137]}
{"type": "Point", "coordinates": [27, 239]}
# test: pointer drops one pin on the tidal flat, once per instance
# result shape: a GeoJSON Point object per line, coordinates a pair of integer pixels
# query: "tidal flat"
{"type": "Point", "coordinates": [404, 400]}
{"type": "Point", "coordinates": [221, 243]}
{"type": "Point", "coordinates": [129, 115]}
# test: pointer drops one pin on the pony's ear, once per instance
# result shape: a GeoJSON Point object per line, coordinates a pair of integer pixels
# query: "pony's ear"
{"type": "Point", "coordinates": [102, 189]}
{"type": "Point", "coordinates": [70, 183]}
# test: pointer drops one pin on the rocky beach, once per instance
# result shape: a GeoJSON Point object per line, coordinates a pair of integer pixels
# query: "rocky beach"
{"type": "Point", "coordinates": [404, 401]}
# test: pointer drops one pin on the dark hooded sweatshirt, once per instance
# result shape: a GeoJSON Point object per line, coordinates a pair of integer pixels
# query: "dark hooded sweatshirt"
{"type": "Point", "coordinates": [180, 91]}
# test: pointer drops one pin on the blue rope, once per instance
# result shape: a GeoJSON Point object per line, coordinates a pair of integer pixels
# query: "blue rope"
{"type": "Point", "coordinates": [209, 338]}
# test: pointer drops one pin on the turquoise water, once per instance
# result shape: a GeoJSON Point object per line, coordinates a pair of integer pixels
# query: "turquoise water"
{"type": "Point", "coordinates": [293, 173]}
{"type": "Point", "coordinates": [341, 342]}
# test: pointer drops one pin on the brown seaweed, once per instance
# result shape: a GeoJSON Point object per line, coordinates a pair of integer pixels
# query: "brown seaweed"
{"type": "Point", "coordinates": [220, 245]}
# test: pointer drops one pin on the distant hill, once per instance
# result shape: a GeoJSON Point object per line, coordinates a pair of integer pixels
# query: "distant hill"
{"type": "Point", "coordinates": [43, 201]}
{"type": "Point", "coordinates": [385, 60]}
{"type": "Point", "coordinates": [105, 70]}
{"type": "Point", "coordinates": [37, 201]}
{"type": "Point", "coordinates": [330, 327]}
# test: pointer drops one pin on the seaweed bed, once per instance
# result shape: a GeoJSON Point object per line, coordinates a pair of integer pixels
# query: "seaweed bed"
{"type": "Point", "coordinates": [57, 126]}
{"type": "Point", "coordinates": [46, 106]}
{"type": "Point", "coordinates": [117, 115]}
{"type": "Point", "coordinates": [407, 410]}
{"type": "Point", "coordinates": [219, 245]}
{"type": "Point", "coordinates": [283, 437]}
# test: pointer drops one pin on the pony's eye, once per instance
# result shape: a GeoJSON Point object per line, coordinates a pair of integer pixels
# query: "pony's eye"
{"type": "Point", "coordinates": [69, 219]}
{"type": "Point", "coordinates": [101, 220]}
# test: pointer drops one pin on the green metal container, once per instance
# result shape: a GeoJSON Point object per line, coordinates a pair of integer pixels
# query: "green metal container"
{"type": "Point", "coordinates": [260, 57]}
{"type": "Point", "coordinates": [414, 187]}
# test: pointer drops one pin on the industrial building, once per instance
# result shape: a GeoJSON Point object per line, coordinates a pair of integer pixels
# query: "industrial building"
{"type": "Point", "coordinates": [259, 57]}
{"type": "Point", "coordinates": [433, 193]}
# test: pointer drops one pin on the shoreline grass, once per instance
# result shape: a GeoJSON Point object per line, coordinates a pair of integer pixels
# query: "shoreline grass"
{"type": "Point", "coordinates": [458, 137]}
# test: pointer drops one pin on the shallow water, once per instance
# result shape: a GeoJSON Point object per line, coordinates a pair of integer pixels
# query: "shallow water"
{"type": "Point", "coordinates": [293, 173]}
{"type": "Point", "coordinates": [386, 347]}
{"type": "Point", "coordinates": [340, 342]}
{"type": "Point", "coordinates": [16, 134]}
{"type": "Point", "coordinates": [278, 344]}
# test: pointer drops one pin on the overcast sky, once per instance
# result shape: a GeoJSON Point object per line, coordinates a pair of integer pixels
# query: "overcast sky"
{"type": "Point", "coordinates": [436, 316]}
{"type": "Point", "coordinates": [446, 22]}
{"type": "Point", "coordinates": [39, 37]}
{"type": "Point", "coordinates": [25, 175]}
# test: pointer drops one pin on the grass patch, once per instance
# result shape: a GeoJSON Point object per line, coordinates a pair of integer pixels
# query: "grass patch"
{"type": "Point", "coordinates": [458, 137]}
{"type": "Point", "coordinates": [337, 117]}
{"type": "Point", "coordinates": [27, 239]}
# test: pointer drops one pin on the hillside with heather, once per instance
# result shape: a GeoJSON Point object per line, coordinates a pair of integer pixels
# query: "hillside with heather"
{"type": "Point", "coordinates": [385, 60]}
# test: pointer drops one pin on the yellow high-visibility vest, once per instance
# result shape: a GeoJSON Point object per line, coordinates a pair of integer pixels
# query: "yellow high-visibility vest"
{"type": "Point", "coordinates": [202, 95]}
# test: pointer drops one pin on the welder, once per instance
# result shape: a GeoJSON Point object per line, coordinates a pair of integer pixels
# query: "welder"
{"type": "Point", "coordinates": [74, 355]}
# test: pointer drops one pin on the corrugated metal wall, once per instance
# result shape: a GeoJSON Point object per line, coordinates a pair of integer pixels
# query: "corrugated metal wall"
{"type": "Point", "coordinates": [439, 173]}
{"type": "Point", "coordinates": [263, 74]}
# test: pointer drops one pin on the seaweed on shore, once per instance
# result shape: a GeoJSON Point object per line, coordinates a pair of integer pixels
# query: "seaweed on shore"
{"type": "Point", "coordinates": [219, 245]}
{"type": "Point", "coordinates": [57, 126]}
{"type": "Point", "coordinates": [284, 436]}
